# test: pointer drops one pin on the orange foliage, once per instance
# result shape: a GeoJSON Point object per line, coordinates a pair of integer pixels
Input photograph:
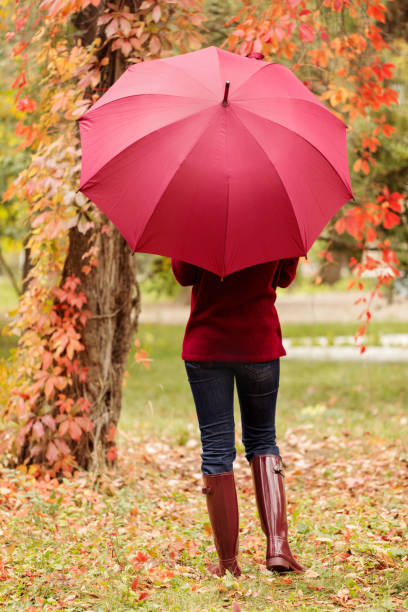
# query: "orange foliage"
{"type": "Point", "coordinates": [345, 69]}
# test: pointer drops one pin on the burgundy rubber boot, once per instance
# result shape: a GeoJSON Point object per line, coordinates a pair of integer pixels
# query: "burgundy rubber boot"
{"type": "Point", "coordinates": [222, 505]}
{"type": "Point", "coordinates": [267, 474]}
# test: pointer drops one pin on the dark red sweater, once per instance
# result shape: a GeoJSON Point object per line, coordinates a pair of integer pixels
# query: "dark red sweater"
{"type": "Point", "coordinates": [234, 319]}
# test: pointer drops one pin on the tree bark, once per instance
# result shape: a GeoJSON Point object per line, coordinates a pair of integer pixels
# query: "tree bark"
{"type": "Point", "coordinates": [114, 301]}
{"type": "Point", "coordinates": [112, 292]}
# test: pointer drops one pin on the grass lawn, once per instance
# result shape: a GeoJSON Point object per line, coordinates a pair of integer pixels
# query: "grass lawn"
{"type": "Point", "coordinates": [325, 395]}
{"type": "Point", "coordinates": [140, 538]}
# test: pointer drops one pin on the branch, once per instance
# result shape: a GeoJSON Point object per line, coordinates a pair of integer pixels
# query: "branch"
{"type": "Point", "coordinates": [343, 243]}
{"type": "Point", "coordinates": [10, 274]}
{"type": "Point", "coordinates": [106, 316]}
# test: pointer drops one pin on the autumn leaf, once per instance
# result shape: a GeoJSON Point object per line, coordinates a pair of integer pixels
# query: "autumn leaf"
{"type": "Point", "coordinates": [156, 13]}
{"type": "Point", "coordinates": [154, 44]}
{"type": "Point", "coordinates": [38, 429]}
{"type": "Point", "coordinates": [144, 595]}
{"type": "Point", "coordinates": [391, 220]}
{"type": "Point", "coordinates": [377, 11]}
{"type": "Point", "coordinates": [134, 585]}
{"type": "Point", "coordinates": [52, 452]}
{"type": "Point", "coordinates": [48, 420]}
{"type": "Point", "coordinates": [306, 32]}
{"type": "Point", "coordinates": [112, 453]}
{"type": "Point", "coordinates": [74, 430]}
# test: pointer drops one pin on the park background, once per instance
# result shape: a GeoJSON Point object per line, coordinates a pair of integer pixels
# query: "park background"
{"type": "Point", "coordinates": [100, 490]}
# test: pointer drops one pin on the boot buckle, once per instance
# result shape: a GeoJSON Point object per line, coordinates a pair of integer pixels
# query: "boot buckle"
{"type": "Point", "coordinates": [280, 471]}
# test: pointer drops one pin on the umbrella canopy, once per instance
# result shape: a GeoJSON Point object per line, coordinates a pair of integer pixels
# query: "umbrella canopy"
{"type": "Point", "coordinates": [223, 185]}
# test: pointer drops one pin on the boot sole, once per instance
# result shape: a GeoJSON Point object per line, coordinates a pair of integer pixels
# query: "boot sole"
{"type": "Point", "coordinates": [278, 564]}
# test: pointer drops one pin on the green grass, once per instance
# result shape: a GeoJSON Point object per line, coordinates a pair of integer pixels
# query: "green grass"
{"type": "Point", "coordinates": [330, 330]}
{"type": "Point", "coordinates": [306, 284]}
{"type": "Point", "coordinates": [158, 401]}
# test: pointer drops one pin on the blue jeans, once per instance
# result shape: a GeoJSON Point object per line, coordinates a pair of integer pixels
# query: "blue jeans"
{"type": "Point", "coordinates": [212, 384]}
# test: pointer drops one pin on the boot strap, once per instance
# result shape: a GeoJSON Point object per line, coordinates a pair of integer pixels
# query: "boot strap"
{"type": "Point", "coordinates": [206, 490]}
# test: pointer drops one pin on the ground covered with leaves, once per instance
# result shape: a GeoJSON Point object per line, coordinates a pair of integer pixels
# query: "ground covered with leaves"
{"type": "Point", "coordinates": [140, 536]}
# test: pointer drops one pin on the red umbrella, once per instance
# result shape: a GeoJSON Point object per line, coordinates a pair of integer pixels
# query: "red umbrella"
{"type": "Point", "coordinates": [216, 159]}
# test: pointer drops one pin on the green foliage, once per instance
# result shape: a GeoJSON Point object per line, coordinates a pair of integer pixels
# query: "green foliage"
{"type": "Point", "coordinates": [156, 277]}
{"type": "Point", "coordinates": [13, 225]}
{"type": "Point", "coordinates": [218, 13]}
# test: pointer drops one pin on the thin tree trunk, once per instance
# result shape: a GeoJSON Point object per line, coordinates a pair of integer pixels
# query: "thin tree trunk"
{"type": "Point", "coordinates": [9, 271]}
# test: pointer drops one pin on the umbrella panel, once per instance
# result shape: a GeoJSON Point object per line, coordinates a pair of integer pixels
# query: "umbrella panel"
{"type": "Point", "coordinates": [226, 204]}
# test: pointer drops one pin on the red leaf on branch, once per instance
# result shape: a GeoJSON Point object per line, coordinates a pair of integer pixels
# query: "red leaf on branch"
{"type": "Point", "coordinates": [62, 446]}
{"type": "Point", "coordinates": [156, 13]}
{"type": "Point", "coordinates": [306, 32]}
{"type": "Point", "coordinates": [391, 220]}
{"type": "Point", "coordinates": [74, 430]}
{"type": "Point", "coordinates": [388, 130]}
{"type": "Point", "coordinates": [377, 11]}
{"type": "Point", "coordinates": [110, 436]}
{"type": "Point", "coordinates": [26, 104]}
{"type": "Point", "coordinates": [85, 423]}
{"type": "Point", "coordinates": [38, 429]}
{"type": "Point", "coordinates": [155, 44]}
{"type": "Point", "coordinates": [52, 452]}
{"type": "Point", "coordinates": [144, 595]}
{"type": "Point", "coordinates": [49, 421]}
{"type": "Point", "coordinates": [63, 428]}
{"type": "Point", "coordinates": [112, 453]}
{"type": "Point", "coordinates": [375, 36]}
{"type": "Point", "coordinates": [371, 235]}
{"type": "Point", "coordinates": [19, 48]}
{"type": "Point", "coordinates": [135, 583]}
{"type": "Point", "coordinates": [340, 225]}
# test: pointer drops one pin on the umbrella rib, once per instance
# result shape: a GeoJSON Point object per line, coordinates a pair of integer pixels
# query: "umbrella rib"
{"type": "Point", "coordinates": [321, 108]}
{"type": "Point", "coordinates": [140, 140]}
{"type": "Point", "coordinates": [269, 65]}
{"type": "Point", "coordinates": [299, 136]}
{"type": "Point", "coordinates": [135, 95]}
{"type": "Point", "coordinates": [277, 174]}
{"type": "Point", "coordinates": [262, 66]}
{"type": "Point", "coordinates": [226, 225]}
{"type": "Point", "coordinates": [166, 61]}
{"type": "Point", "coordinates": [219, 70]}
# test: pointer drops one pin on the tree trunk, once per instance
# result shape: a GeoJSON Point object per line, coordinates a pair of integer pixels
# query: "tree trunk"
{"type": "Point", "coordinates": [114, 301]}
{"type": "Point", "coordinates": [112, 292]}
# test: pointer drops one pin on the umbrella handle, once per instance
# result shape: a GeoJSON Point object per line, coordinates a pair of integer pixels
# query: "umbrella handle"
{"type": "Point", "coordinates": [225, 100]}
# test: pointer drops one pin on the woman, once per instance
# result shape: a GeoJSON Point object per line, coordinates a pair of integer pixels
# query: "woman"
{"type": "Point", "coordinates": [233, 333]}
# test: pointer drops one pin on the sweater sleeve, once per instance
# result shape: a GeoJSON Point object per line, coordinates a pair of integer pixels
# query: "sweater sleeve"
{"type": "Point", "coordinates": [287, 271]}
{"type": "Point", "coordinates": [185, 273]}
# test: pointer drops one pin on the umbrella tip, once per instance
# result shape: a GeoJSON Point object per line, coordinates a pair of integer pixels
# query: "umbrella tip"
{"type": "Point", "coordinates": [226, 90]}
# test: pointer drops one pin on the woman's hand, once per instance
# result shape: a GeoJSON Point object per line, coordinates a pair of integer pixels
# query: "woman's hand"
{"type": "Point", "coordinates": [287, 271]}
{"type": "Point", "coordinates": [185, 273]}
